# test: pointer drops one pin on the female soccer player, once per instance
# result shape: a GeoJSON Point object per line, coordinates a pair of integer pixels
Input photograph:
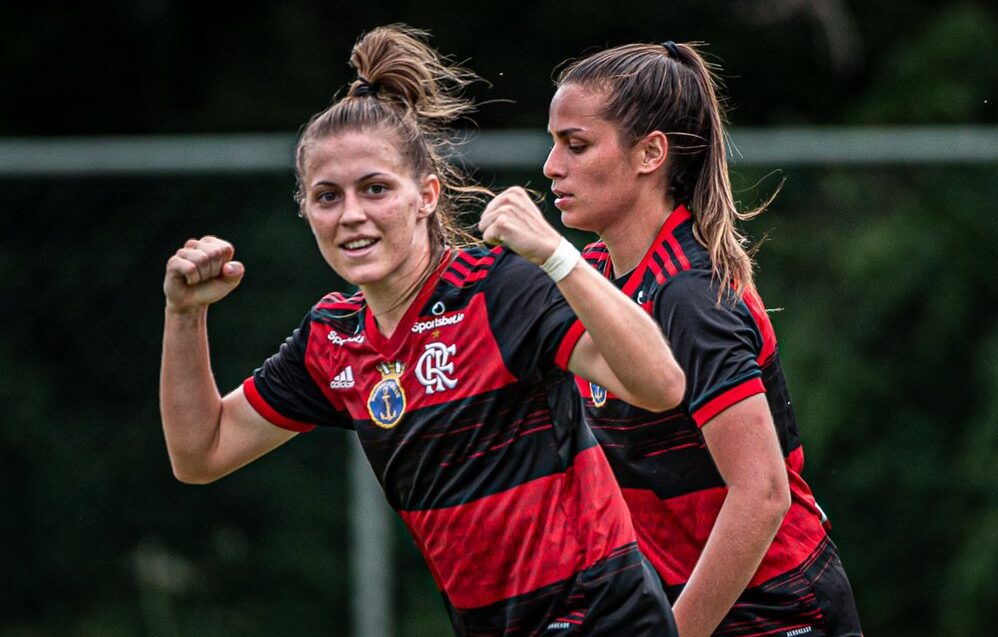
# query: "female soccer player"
{"type": "Point", "coordinates": [714, 486]}
{"type": "Point", "coordinates": [448, 363]}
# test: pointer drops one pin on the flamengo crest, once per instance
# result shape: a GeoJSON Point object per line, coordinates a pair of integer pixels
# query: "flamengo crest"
{"type": "Point", "coordinates": [434, 367]}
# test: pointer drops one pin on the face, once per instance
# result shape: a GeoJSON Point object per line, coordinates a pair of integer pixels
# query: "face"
{"type": "Point", "coordinates": [592, 175]}
{"type": "Point", "coordinates": [368, 213]}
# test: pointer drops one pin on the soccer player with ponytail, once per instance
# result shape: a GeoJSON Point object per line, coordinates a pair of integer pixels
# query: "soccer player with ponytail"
{"type": "Point", "coordinates": [451, 363]}
{"type": "Point", "coordinates": [714, 486]}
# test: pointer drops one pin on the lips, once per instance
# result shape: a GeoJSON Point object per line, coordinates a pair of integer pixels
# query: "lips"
{"type": "Point", "coordinates": [562, 198]}
{"type": "Point", "coordinates": [358, 244]}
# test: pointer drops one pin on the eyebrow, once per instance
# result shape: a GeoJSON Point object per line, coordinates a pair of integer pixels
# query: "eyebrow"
{"type": "Point", "coordinates": [364, 178]}
{"type": "Point", "coordinates": [565, 132]}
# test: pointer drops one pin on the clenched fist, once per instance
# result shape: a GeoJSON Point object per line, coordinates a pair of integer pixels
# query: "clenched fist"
{"type": "Point", "coordinates": [200, 273]}
{"type": "Point", "coordinates": [513, 220]}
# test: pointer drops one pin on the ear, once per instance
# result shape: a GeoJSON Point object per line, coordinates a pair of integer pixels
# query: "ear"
{"type": "Point", "coordinates": [430, 194]}
{"type": "Point", "coordinates": [651, 151]}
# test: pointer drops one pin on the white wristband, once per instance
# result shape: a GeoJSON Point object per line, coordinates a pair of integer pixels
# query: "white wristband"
{"type": "Point", "coordinates": [561, 261]}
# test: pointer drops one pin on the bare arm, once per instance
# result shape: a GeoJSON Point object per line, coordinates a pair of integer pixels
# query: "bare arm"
{"type": "Point", "coordinates": [206, 436]}
{"type": "Point", "coordinates": [743, 444]}
{"type": "Point", "coordinates": [624, 349]}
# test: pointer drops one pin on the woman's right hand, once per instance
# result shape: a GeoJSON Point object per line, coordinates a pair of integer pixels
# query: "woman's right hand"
{"type": "Point", "coordinates": [200, 273]}
{"type": "Point", "coordinates": [513, 220]}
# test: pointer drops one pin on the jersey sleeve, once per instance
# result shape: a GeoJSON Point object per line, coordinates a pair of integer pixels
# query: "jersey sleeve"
{"type": "Point", "coordinates": [534, 326]}
{"type": "Point", "coordinates": [283, 391]}
{"type": "Point", "coordinates": [716, 344]}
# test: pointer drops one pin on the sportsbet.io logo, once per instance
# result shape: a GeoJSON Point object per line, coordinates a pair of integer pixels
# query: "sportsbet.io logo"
{"type": "Point", "coordinates": [441, 321]}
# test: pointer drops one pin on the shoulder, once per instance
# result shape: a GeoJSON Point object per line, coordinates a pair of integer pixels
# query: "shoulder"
{"type": "Point", "coordinates": [339, 302]}
{"type": "Point", "coordinates": [473, 266]}
{"type": "Point", "coordinates": [596, 253]}
{"type": "Point", "coordinates": [338, 310]}
{"type": "Point", "coordinates": [693, 292]}
{"type": "Point", "coordinates": [687, 286]}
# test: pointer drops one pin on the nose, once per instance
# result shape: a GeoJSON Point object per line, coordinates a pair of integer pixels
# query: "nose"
{"type": "Point", "coordinates": [353, 211]}
{"type": "Point", "coordinates": [552, 165]}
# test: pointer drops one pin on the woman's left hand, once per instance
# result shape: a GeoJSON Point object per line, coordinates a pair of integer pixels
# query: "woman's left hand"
{"type": "Point", "coordinates": [513, 219]}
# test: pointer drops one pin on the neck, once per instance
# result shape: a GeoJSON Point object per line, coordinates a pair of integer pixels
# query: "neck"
{"type": "Point", "coordinates": [388, 300]}
{"type": "Point", "coordinates": [628, 237]}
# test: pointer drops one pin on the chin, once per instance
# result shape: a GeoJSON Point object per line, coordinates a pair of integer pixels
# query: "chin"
{"type": "Point", "coordinates": [355, 275]}
{"type": "Point", "coordinates": [572, 219]}
{"type": "Point", "coordinates": [361, 278]}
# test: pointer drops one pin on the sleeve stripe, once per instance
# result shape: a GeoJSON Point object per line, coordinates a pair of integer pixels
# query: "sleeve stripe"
{"type": "Point", "coordinates": [568, 343]}
{"type": "Point", "coordinates": [719, 403]}
{"type": "Point", "coordinates": [268, 412]}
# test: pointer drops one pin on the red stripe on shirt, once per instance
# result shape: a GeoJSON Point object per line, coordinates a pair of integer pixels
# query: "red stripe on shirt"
{"type": "Point", "coordinates": [656, 270]}
{"type": "Point", "coordinates": [677, 249]}
{"type": "Point", "coordinates": [673, 532]}
{"type": "Point", "coordinates": [568, 343]}
{"type": "Point", "coordinates": [666, 259]}
{"type": "Point", "coordinates": [676, 217]}
{"type": "Point", "coordinates": [758, 311]}
{"type": "Point", "coordinates": [719, 403]}
{"type": "Point", "coordinates": [460, 268]}
{"type": "Point", "coordinates": [268, 412]}
{"type": "Point", "coordinates": [533, 535]}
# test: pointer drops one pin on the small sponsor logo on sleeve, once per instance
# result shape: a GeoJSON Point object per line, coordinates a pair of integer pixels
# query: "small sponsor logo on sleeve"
{"type": "Point", "coordinates": [336, 339]}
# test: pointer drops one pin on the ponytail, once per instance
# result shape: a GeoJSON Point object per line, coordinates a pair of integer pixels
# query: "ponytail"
{"type": "Point", "coordinates": [672, 89]}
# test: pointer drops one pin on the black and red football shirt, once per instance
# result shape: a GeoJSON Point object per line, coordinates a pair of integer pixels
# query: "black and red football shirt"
{"type": "Point", "coordinates": [728, 352]}
{"type": "Point", "coordinates": [474, 430]}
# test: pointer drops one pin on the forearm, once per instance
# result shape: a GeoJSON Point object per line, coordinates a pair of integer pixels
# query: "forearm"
{"type": "Point", "coordinates": [742, 533]}
{"type": "Point", "coordinates": [190, 403]}
{"type": "Point", "coordinates": [628, 339]}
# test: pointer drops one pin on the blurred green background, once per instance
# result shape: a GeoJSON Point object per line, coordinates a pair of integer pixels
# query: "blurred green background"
{"type": "Point", "coordinates": [884, 276]}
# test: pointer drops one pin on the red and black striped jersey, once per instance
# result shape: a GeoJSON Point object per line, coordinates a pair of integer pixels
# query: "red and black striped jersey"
{"type": "Point", "coordinates": [728, 351]}
{"type": "Point", "coordinates": [474, 430]}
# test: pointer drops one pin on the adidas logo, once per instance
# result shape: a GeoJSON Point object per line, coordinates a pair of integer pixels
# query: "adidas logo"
{"type": "Point", "coordinates": [343, 380]}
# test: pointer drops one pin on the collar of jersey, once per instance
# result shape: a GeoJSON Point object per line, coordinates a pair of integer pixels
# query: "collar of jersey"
{"type": "Point", "coordinates": [389, 346]}
{"type": "Point", "coordinates": [637, 275]}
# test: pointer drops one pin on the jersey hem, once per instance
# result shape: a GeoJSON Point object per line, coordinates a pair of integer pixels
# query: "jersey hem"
{"type": "Point", "coordinates": [269, 413]}
{"type": "Point", "coordinates": [719, 403]}
{"type": "Point", "coordinates": [568, 344]}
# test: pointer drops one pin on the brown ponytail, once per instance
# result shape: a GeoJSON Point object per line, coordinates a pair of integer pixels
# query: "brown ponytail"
{"type": "Point", "coordinates": [670, 88]}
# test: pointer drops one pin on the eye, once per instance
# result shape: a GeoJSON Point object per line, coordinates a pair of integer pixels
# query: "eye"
{"type": "Point", "coordinates": [576, 147]}
{"type": "Point", "coordinates": [327, 196]}
{"type": "Point", "coordinates": [377, 189]}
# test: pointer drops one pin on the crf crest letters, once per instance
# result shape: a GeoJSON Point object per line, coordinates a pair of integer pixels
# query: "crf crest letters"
{"type": "Point", "coordinates": [435, 368]}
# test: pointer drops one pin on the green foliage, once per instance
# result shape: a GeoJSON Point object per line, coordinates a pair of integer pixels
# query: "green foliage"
{"type": "Point", "coordinates": [887, 330]}
{"type": "Point", "coordinates": [937, 73]}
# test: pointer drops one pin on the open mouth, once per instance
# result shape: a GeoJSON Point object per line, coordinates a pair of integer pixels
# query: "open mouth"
{"type": "Point", "coordinates": [357, 245]}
